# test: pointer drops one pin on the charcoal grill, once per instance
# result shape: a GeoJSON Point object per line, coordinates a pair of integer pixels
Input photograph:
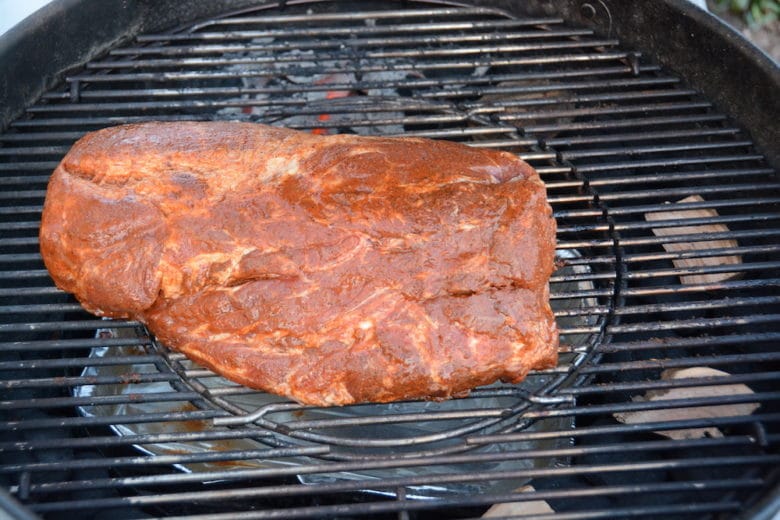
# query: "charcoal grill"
{"type": "Point", "coordinates": [649, 180]}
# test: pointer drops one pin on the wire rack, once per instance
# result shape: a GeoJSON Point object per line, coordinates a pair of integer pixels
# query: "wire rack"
{"type": "Point", "coordinates": [665, 400]}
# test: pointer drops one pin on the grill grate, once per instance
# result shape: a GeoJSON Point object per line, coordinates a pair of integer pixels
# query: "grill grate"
{"type": "Point", "coordinates": [97, 415]}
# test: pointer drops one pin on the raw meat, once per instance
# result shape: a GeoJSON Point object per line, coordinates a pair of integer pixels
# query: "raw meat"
{"type": "Point", "coordinates": [329, 269]}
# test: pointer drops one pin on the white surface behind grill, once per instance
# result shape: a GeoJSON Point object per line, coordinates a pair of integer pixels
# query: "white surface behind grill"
{"type": "Point", "coordinates": [14, 11]}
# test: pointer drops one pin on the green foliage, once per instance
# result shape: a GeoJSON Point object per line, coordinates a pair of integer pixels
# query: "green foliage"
{"type": "Point", "coordinates": [754, 12]}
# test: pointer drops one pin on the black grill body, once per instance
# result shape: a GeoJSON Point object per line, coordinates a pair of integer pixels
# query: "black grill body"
{"type": "Point", "coordinates": [666, 399]}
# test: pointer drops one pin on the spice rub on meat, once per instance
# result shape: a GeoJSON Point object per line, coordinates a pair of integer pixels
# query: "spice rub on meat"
{"type": "Point", "coordinates": [329, 269]}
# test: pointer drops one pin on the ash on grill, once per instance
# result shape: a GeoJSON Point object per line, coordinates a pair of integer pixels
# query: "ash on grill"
{"type": "Point", "coordinates": [318, 94]}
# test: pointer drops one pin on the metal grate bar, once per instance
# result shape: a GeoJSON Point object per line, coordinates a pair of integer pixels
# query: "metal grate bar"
{"type": "Point", "coordinates": [65, 325]}
{"type": "Point", "coordinates": [127, 440]}
{"type": "Point", "coordinates": [19, 226]}
{"type": "Point", "coordinates": [720, 251]}
{"type": "Point", "coordinates": [684, 192]}
{"type": "Point", "coordinates": [165, 460]}
{"type": "Point", "coordinates": [151, 63]}
{"type": "Point", "coordinates": [702, 287]}
{"type": "Point", "coordinates": [680, 177]}
{"type": "Point", "coordinates": [728, 340]}
{"type": "Point", "coordinates": [247, 474]}
{"type": "Point", "coordinates": [659, 364]}
{"type": "Point", "coordinates": [117, 120]}
{"type": "Point", "coordinates": [14, 166]}
{"type": "Point", "coordinates": [640, 136]}
{"type": "Point", "coordinates": [596, 431]}
{"type": "Point", "coordinates": [41, 136]}
{"type": "Point", "coordinates": [417, 66]}
{"type": "Point", "coordinates": [659, 224]}
{"type": "Point", "coordinates": [537, 84]}
{"type": "Point", "coordinates": [351, 30]}
{"type": "Point", "coordinates": [395, 482]}
{"type": "Point", "coordinates": [738, 268]}
{"type": "Point", "coordinates": [31, 273]}
{"type": "Point", "coordinates": [671, 162]}
{"type": "Point", "coordinates": [421, 119]}
{"type": "Point", "coordinates": [35, 308]}
{"type": "Point", "coordinates": [77, 362]}
{"type": "Point", "coordinates": [79, 422]}
{"type": "Point", "coordinates": [444, 87]}
{"type": "Point", "coordinates": [351, 43]}
{"type": "Point", "coordinates": [68, 344]}
{"type": "Point", "coordinates": [596, 111]}
{"type": "Point", "coordinates": [448, 12]}
{"type": "Point", "coordinates": [345, 107]}
{"type": "Point", "coordinates": [540, 101]}
{"type": "Point", "coordinates": [55, 382]}
{"type": "Point", "coordinates": [671, 239]}
{"type": "Point", "coordinates": [22, 257]}
{"type": "Point", "coordinates": [378, 508]}
{"type": "Point", "coordinates": [637, 123]}
{"type": "Point", "coordinates": [332, 108]}
{"type": "Point", "coordinates": [582, 277]}
{"type": "Point", "coordinates": [666, 404]}
{"type": "Point", "coordinates": [412, 82]}
{"type": "Point", "coordinates": [19, 210]}
{"type": "Point", "coordinates": [35, 150]}
{"type": "Point", "coordinates": [62, 402]}
{"type": "Point", "coordinates": [731, 360]}
{"type": "Point", "coordinates": [697, 305]}
{"type": "Point", "coordinates": [30, 291]}
{"type": "Point", "coordinates": [676, 383]}
{"type": "Point", "coordinates": [708, 204]}
{"type": "Point", "coordinates": [653, 149]}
